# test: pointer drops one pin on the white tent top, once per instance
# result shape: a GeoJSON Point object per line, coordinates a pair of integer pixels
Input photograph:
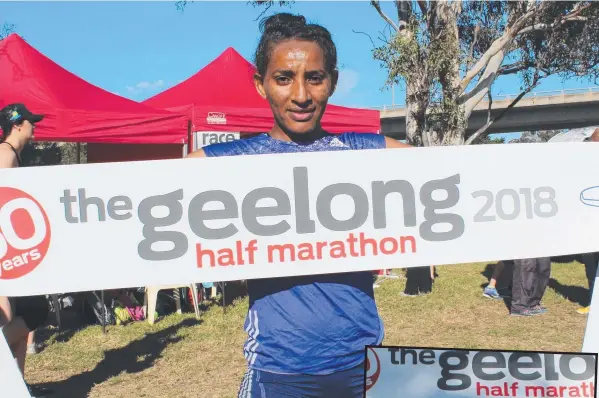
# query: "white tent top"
{"type": "Point", "coordinates": [574, 135]}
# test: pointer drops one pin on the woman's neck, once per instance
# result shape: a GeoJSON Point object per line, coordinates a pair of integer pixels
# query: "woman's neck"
{"type": "Point", "coordinates": [279, 134]}
{"type": "Point", "coordinates": [16, 142]}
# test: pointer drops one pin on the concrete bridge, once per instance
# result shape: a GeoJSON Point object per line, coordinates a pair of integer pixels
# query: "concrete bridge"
{"type": "Point", "coordinates": [547, 110]}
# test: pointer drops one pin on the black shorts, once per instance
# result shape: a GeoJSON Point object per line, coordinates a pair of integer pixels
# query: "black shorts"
{"type": "Point", "coordinates": [33, 309]}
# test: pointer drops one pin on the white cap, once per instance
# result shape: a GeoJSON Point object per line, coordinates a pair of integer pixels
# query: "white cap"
{"type": "Point", "coordinates": [575, 135]}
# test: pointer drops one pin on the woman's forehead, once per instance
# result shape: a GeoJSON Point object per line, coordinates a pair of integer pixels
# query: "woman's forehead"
{"type": "Point", "coordinates": [293, 51]}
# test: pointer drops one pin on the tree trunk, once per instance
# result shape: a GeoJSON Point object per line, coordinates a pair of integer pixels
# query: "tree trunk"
{"type": "Point", "coordinates": [450, 121]}
{"type": "Point", "coordinates": [417, 100]}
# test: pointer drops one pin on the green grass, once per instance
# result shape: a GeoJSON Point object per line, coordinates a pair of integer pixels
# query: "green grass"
{"type": "Point", "coordinates": [180, 356]}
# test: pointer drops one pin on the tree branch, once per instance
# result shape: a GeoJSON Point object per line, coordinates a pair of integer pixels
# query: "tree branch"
{"type": "Point", "coordinates": [573, 16]}
{"type": "Point", "coordinates": [376, 4]}
{"type": "Point", "coordinates": [514, 68]}
{"type": "Point", "coordinates": [473, 44]}
{"type": "Point", "coordinates": [485, 127]}
{"type": "Point", "coordinates": [404, 11]}
{"type": "Point", "coordinates": [544, 26]}
{"type": "Point", "coordinates": [490, 95]}
{"type": "Point", "coordinates": [497, 46]}
{"type": "Point", "coordinates": [367, 35]}
{"type": "Point", "coordinates": [423, 7]}
{"type": "Point", "coordinates": [432, 20]}
{"type": "Point", "coordinates": [180, 5]}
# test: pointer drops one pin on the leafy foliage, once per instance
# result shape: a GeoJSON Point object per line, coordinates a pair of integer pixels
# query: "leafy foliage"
{"type": "Point", "coordinates": [487, 139]}
{"type": "Point", "coordinates": [266, 4]}
{"type": "Point", "coordinates": [6, 30]}
{"type": "Point", "coordinates": [52, 153]}
{"type": "Point", "coordinates": [536, 136]}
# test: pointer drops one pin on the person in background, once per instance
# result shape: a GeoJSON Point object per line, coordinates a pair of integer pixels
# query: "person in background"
{"type": "Point", "coordinates": [590, 261]}
{"type": "Point", "coordinates": [306, 335]}
{"type": "Point", "coordinates": [490, 291]}
{"type": "Point", "coordinates": [529, 282]}
{"type": "Point", "coordinates": [18, 124]}
{"type": "Point", "coordinates": [31, 347]}
{"type": "Point", "coordinates": [383, 274]}
{"type": "Point", "coordinates": [419, 281]}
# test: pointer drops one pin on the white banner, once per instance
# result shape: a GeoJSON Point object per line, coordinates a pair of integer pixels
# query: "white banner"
{"type": "Point", "coordinates": [11, 380]}
{"type": "Point", "coordinates": [446, 373]}
{"type": "Point", "coordinates": [114, 225]}
{"type": "Point", "coordinates": [591, 334]}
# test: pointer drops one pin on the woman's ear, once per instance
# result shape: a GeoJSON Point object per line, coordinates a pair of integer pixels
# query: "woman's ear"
{"type": "Point", "coordinates": [334, 80]}
{"type": "Point", "coordinates": [259, 84]}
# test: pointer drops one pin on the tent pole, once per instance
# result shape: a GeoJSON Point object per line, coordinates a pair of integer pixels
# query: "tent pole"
{"type": "Point", "coordinates": [189, 138]}
{"type": "Point", "coordinates": [78, 153]}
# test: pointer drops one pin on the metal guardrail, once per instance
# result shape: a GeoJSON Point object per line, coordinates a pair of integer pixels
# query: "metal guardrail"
{"type": "Point", "coordinates": [505, 97]}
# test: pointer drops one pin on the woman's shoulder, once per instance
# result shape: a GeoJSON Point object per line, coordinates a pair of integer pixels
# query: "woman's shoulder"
{"type": "Point", "coordinates": [8, 159]}
{"type": "Point", "coordinates": [236, 147]}
{"type": "Point", "coordinates": [363, 140]}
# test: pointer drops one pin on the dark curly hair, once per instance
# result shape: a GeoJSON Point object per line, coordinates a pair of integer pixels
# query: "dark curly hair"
{"type": "Point", "coordinates": [284, 26]}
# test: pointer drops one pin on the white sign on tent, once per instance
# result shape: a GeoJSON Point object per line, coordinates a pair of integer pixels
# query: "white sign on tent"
{"type": "Point", "coordinates": [204, 138]}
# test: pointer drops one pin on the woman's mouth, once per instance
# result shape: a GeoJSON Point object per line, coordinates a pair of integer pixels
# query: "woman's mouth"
{"type": "Point", "coordinates": [301, 115]}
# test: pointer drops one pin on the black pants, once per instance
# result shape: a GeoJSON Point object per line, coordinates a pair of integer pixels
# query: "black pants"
{"type": "Point", "coordinates": [33, 309]}
{"type": "Point", "coordinates": [590, 268]}
{"type": "Point", "coordinates": [418, 280]}
{"type": "Point", "coordinates": [530, 279]}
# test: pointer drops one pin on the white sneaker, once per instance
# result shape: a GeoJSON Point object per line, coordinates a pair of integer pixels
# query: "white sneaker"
{"type": "Point", "coordinates": [31, 349]}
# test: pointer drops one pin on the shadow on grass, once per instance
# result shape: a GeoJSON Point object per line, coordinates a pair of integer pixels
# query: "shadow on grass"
{"type": "Point", "coordinates": [575, 294]}
{"type": "Point", "coordinates": [70, 325]}
{"type": "Point", "coordinates": [133, 358]}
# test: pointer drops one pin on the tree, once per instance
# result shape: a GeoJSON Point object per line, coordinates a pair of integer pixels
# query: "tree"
{"type": "Point", "coordinates": [536, 136]}
{"type": "Point", "coordinates": [486, 139]}
{"type": "Point", "coordinates": [448, 54]}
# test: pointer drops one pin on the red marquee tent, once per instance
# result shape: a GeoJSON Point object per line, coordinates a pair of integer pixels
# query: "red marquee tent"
{"type": "Point", "coordinates": [77, 111]}
{"type": "Point", "coordinates": [222, 97]}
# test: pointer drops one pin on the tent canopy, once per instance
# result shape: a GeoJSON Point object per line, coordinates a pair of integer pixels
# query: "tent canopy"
{"type": "Point", "coordinates": [75, 110]}
{"type": "Point", "coordinates": [222, 97]}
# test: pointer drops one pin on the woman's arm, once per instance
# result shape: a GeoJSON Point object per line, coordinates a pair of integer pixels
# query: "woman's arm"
{"type": "Point", "coordinates": [391, 143]}
{"type": "Point", "coordinates": [197, 154]}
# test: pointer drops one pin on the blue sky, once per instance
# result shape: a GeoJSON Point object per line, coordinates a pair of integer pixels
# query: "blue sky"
{"type": "Point", "coordinates": [137, 49]}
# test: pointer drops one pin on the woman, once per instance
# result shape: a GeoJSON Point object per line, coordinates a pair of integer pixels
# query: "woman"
{"type": "Point", "coordinates": [306, 335]}
{"type": "Point", "coordinates": [17, 124]}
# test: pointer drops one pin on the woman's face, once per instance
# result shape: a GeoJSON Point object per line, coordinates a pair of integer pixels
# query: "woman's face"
{"type": "Point", "coordinates": [297, 86]}
{"type": "Point", "coordinates": [24, 131]}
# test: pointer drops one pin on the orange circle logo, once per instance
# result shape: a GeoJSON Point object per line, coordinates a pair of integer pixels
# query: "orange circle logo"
{"type": "Point", "coordinates": [24, 233]}
{"type": "Point", "coordinates": [373, 368]}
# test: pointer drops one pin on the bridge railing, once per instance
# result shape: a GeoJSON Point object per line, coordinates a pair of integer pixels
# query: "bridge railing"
{"type": "Point", "coordinates": [506, 97]}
